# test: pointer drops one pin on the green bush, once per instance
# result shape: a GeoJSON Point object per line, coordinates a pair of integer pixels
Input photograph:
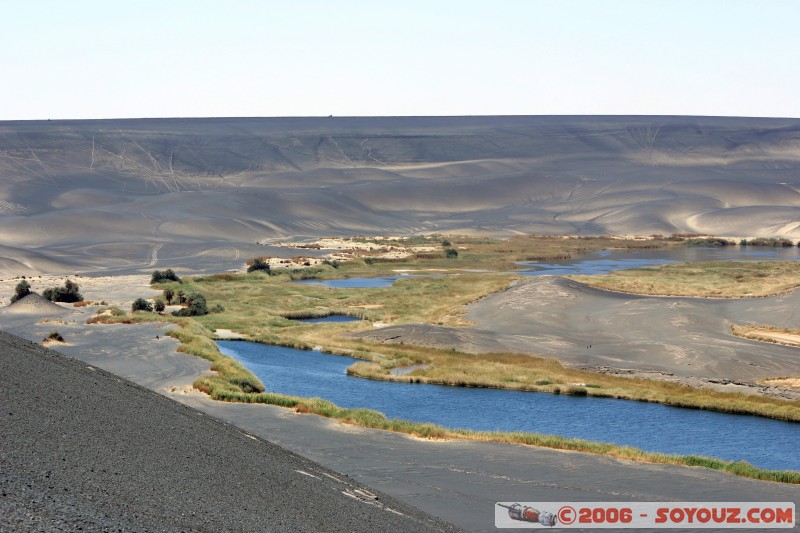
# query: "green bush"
{"type": "Point", "coordinates": [258, 264]}
{"type": "Point", "coordinates": [54, 336]}
{"type": "Point", "coordinates": [68, 293]}
{"type": "Point", "coordinates": [167, 275]}
{"type": "Point", "coordinates": [195, 305]}
{"type": "Point", "coordinates": [159, 305]}
{"type": "Point", "coordinates": [450, 253]}
{"type": "Point", "coordinates": [22, 289]}
{"type": "Point", "coordinates": [763, 241]}
{"type": "Point", "coordinates": [140, 304]}
{"type": "Point", "coordinates": [715, 242]}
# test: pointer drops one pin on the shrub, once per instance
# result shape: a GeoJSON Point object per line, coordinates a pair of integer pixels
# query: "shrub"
{"type": "Point", "coordinates": [710, 241]}
{"type": "Point", "coordinates": [217, 308]}
{"type": "Point", "coordinates": [762, 241]}
{"type": "Point", "coordinates": [54, 336]}
{"type": "Point", "coordinates": [451, 254]}
{"type": "Point", "coordinates": [22, 289]}
{"type": "Point", "coordinates": [196, 306]}
{"type": "Point", "coordinates": [576, 391]}
{"type": "Point", "coordinates": [169, 294]}
{"type": "Point", "coordinates": [68, 293]}
{"type": "Point", "coordinates": [159, 305]}
{"type": "Point", "coordinates": [140, 304]}
{"type": "Point", "coordinates": [167, 275]}
{"type": "Point", "coordinates": [258, 264]}
{"type": "Point", "coordinates": [446, 243]}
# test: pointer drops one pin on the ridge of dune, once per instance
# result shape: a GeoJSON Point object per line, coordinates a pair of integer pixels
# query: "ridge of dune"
{"type": "Point", "coordinates": [193, 185]}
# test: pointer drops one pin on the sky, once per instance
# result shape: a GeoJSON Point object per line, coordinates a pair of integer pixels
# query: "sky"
{"type": "Point", "coordinates": [195, 58]}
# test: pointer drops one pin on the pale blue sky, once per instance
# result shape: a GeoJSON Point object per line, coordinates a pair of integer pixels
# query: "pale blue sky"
{"type": "Point", "coordinates": [181, 58]}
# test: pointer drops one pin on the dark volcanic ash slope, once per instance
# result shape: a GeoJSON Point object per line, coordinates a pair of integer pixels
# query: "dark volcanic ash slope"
{"type": "Point", "coordinates": [82, 449]}
{"type": "Point", "coordinates": [92, 194]}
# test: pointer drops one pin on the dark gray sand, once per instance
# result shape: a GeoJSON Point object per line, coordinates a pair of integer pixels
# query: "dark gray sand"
{"type": "Point", "coordinates": [82, 449]}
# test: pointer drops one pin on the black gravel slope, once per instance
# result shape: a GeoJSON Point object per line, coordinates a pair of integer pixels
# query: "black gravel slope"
{"type": "Point", "coordinates": [82, 449]}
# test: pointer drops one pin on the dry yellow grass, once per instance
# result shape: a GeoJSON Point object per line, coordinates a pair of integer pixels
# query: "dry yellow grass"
{"type": "Point", "coordinates": [766, 333]}
{"type": "Point", "coordinates": [792, 383]}
{"type": "Point", "coordinates": [713, 279]}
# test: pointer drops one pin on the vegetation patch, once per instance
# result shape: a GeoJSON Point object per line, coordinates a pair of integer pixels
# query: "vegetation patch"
{"type": "Point", "coordinates": [54, 336]}
{"type": "Point", "coordinates": [712, 242]}
{"type": "Point", "coordinates": [68, 293]}
{"type": "Point", "coordinates": [22, 289]}
{"type": "Point", "coordinates": [766, 333]}
{"type": "Point", "coordinates": [768, 242]}
{"type": "Point", "coordinates": [160, 276]}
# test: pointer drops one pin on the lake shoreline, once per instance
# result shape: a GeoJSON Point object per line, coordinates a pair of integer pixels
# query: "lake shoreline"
{"type": "Point", "coordinates": [368, 417]}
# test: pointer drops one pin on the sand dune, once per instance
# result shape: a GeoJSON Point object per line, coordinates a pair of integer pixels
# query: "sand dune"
{"type": "Point", "coordinates": [560, 318]}
{"type": "Point", "coordinates": [33, 304]}
{"type": "Point", "coordinates": [234, 182]}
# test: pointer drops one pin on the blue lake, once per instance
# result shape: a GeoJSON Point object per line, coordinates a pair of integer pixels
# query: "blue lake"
{"type": "Point", "coordinates": [763, 442]}
{"type": "Point", "coordinates": [610, 260]}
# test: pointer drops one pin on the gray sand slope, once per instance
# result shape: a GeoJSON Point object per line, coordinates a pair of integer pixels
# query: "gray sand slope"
{"type": "Point", "coordinates": [84, 449]}
{"type": "Point", "coordinates": [33, 305]}
{"type": "Point", "coordinates": [560, 318]}
{"type": "Point", "coordinates": [135, 194]}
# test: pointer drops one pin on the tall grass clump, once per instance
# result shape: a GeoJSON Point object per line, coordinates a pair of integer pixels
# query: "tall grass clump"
{"type": "Point", "coordinates": [232, 377]}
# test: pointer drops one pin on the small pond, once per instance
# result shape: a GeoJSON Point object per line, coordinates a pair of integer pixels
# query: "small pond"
{"type": "Point", "coordinates": [763, 442]}
{"type": "Point", "coordinates": [327, 319]}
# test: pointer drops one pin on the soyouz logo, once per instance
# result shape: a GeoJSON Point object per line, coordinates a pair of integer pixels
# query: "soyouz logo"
{"type": "Point", "coordinates": [625, 515]}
